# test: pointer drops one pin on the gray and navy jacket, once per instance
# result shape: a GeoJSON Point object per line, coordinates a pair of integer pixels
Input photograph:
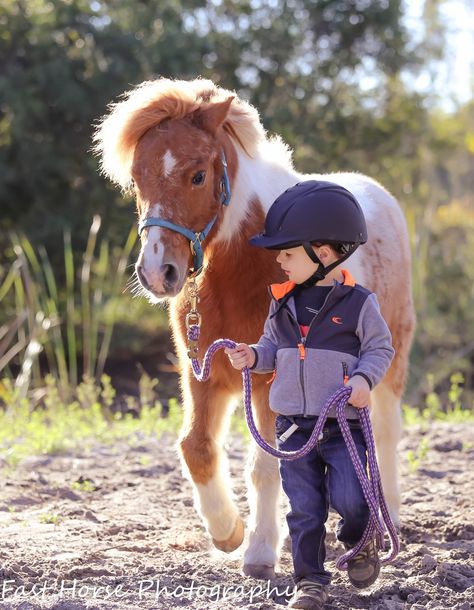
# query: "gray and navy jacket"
{"type": "Point", "coordinates": [347, 337]}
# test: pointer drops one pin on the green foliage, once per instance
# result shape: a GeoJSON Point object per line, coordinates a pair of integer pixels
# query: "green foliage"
{"type": "Point", "coordinates": [67, 322]}
{"type": "Point", "coordinates": [57, 425]}
{"type": "Point", "coordinates": [50, 518]}
{"type": "Point", "coordinates": [238, 425]}
{"type": "Point", "coordinates": [84, 485]}
{"type": "Point", "coordinates": [64, 61]}
{"type": "Point", "coordinates": [331, 77]}
{"type": "Point", "coordinates": [415, 458]}
{"type": "Point", "coordinates": [459, 407]}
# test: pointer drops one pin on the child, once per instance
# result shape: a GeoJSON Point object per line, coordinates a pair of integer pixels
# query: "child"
{"type": "Point", "coordinates": [323, 330]}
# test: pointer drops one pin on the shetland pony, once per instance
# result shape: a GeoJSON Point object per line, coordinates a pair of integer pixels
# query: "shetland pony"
{"type": "Point", "coordinates": [165, 140]}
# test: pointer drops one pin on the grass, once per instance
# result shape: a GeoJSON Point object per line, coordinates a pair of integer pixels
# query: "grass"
{"type": "Point", "coordinates": [50, 518]}
{"type": "Point", "coordinates": [69, 316]}
{"type": "Point", "coordinates": [454, 412]}
{"type": "Point", "coordinates": [55, 325]}
{"type": "Point", "coordinates": [58, 426]}
{"type": "Point", "coordinates": [415, 458]}
{"type": "Point", "coordinates": [85, 485]}
{"type": "Point", "coordinates": [433, 411]}
{"type": "Point", "coordinates": [87, 419]}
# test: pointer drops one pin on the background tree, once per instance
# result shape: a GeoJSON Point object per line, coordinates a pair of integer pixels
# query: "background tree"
{"type": "Point", "coordinates": [332, 77]}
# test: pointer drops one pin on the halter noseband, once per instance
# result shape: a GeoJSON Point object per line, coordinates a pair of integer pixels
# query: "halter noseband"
{"type": "Point", "coordinates": [195, 237]}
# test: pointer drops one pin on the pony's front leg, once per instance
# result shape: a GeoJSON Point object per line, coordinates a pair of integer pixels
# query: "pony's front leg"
{"type": "Point", "coordinates": [206, 408]}
{"type": "Point", "coordinates": [263, 484]}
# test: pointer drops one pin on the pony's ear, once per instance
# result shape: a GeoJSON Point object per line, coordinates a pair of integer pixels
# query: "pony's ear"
{"type": "Point", "coordinates": [211, 116]}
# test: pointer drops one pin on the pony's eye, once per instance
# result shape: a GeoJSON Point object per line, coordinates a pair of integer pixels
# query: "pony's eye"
{"type": "Point", "coordinates": [199, 178]}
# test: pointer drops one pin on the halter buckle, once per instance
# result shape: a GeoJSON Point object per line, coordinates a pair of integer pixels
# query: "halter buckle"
{"type": "Point", "coordinates": [198, 237]}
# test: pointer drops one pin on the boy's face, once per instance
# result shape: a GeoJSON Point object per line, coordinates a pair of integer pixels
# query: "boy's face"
{"type": "Point", "coordinates": [296, 264]}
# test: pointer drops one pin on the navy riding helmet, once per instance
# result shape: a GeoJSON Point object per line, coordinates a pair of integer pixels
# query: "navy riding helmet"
{"type": "Point", "coordinates": [314, 211]}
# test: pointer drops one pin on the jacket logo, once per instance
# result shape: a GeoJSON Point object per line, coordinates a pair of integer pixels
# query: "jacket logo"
{"type": "Point", "coordinates": [336, 320]}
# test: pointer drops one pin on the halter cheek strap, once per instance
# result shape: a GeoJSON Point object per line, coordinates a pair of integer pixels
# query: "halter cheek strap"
{"type": "Point", "coordinates": [195, 237]}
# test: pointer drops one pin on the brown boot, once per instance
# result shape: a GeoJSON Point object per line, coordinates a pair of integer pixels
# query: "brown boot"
{"type": "Point", "coordinates": [364, 569]}
{"type": "Point", "coordinates": [309, 595]}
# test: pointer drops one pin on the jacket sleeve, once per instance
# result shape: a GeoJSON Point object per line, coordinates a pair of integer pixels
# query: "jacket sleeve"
{"type": "Point", "coordinates": [266, 347]}
{"type": "Point", "coordinates": [376, 350]}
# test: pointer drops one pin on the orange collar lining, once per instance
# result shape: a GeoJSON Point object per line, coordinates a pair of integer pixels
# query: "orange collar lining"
{"type": "Point", "coordinates": [279, 290]}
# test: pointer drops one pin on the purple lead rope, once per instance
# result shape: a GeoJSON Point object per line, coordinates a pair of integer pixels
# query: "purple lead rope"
{"type": "Point", "coordinates": [379, 518]}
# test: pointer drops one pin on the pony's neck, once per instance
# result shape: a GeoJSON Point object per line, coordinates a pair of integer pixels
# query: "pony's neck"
{"type": "Point", "coordinates": [258, 182]}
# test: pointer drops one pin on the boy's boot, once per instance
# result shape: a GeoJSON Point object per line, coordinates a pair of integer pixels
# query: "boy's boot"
{"type": "Point", "coordinates": [309, 595]}
{"type": "Point", "coordinates": [364, 569]}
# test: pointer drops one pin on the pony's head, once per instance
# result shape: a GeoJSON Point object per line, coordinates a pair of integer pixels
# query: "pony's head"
{"type": "Point", "coordinates": [167, 140]}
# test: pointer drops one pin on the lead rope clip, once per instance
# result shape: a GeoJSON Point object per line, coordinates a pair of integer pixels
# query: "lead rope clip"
{"type": "Point", "coordinates": [193, 317]}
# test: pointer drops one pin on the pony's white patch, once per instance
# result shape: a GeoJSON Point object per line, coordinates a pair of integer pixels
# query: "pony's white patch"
{"type": "Point", "coordinates": [271, 172]}
{"type": "Point", "coordinates": [355, 267]}
{"type": "Point", "coordinates": [153, 250]}
{"type": "Point", "coordinates": [215, 504]}
{"type": "Point", "coordinates": [260, 178]}
{"type": "Point", "coordinates": [263, 483]}
{"type": "Point", "coordinates": [365, 190]}
{"type": "Point", "coordinates": [169, 162]}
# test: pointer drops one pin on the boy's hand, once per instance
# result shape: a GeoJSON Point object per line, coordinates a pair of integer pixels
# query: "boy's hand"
{"type": "Point", "coordinates": [241, 356]}
{"type": "Point", "coordinates": [360, 392]}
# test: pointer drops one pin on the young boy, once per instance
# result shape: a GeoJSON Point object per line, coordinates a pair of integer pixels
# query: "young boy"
{"type": "Point", "coordinates": [323, 330]}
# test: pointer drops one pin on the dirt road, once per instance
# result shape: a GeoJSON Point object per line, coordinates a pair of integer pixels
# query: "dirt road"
{"type": "Point", "coordinates": [115, 528]}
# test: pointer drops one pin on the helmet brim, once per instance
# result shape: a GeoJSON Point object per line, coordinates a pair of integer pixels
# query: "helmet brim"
{"type": "Point", "coordinates": [274, 243]}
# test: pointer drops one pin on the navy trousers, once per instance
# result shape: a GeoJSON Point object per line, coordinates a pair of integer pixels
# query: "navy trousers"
{"type": "Point", "coordinates": [325, 477]}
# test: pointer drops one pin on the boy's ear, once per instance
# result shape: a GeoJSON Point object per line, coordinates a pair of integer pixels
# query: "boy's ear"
{"type": "Point", "coordinates": [323, 251]}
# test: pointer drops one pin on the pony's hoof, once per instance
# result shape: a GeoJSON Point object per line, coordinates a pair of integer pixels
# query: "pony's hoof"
{"type": "Point", "coordinates": [235, 539]}
{"type": "Point", "coordinates": [259, 571]}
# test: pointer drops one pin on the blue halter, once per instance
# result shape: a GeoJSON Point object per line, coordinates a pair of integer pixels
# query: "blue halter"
{"type": "Point", "coordinates": [195, 237]}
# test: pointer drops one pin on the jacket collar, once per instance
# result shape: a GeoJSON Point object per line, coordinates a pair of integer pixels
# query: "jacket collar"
{"type": "Point", "coordinates": [278, 291]}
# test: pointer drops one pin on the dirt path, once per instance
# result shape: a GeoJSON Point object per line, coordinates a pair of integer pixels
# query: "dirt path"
{"type": "Point", "coordinates": [117, 541]}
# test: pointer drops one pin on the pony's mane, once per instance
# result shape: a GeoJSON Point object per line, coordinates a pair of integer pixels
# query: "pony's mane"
{"type": "Point", "coordinates": [155, 101]}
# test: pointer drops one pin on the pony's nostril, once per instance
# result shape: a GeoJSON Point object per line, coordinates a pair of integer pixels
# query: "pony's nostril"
{"type": "Point", "coordinates": [141, 277]}
{"type": "Point", "coordinates": [171, 274]}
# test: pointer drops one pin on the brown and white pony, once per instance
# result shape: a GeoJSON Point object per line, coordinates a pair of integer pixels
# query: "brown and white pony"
{"type": "Point", "coordinates": [165, 139]}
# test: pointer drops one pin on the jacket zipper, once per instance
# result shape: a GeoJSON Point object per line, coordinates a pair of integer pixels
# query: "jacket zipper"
{"type": "Point", "coordinates": [301, 347]}
{"type": "Point", "coordinates": [302, 357]}
{"type": "Point", "coordinates": [345, 372]}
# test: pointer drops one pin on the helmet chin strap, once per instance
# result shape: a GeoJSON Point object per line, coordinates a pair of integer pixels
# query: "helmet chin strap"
{"type": "Point", "coordinates": [317, 276]}
{"type": "Point", "coordinates": [322, 271]}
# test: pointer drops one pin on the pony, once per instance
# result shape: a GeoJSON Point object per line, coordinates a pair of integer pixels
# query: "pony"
{"type": "Point", "coordinates": [176, 143]}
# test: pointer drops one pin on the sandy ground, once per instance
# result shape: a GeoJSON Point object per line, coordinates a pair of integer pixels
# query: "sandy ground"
{"type": "Point", "coordinates": [131, 538]}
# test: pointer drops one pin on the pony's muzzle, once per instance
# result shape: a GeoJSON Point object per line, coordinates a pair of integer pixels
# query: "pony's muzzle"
{"type": "Point", "coordinates": [163, 282]}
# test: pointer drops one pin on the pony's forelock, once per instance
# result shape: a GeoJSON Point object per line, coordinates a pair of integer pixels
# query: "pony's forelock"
{"type": "Point", "coordinates": [150, 103]}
